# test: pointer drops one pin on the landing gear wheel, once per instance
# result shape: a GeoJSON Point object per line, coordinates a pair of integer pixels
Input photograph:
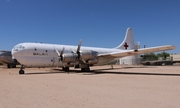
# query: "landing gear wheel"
{"type": "Point", "coordinates": [82, 69]}
{"type": "Point", "coordinates": [8, 66]}
{"type": "Point", "coordinates": [14, 66]}
{"type": "Point", "coordinates": [21, 71]}
{"type": "Point", "coordinates": [66, 69]}
{"type": "Point", "coordinates": [85, 69]}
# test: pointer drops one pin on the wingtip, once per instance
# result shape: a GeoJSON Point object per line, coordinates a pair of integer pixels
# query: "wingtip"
{"type": "Point", "coordinates": [174, 47]}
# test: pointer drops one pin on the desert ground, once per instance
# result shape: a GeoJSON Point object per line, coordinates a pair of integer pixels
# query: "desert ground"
{"type": "Point", "coordinates": [102, 87]}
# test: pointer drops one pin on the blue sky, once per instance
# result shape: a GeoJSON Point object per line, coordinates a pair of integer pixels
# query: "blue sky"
{"type": "Point", "coordinates": [99, 23]}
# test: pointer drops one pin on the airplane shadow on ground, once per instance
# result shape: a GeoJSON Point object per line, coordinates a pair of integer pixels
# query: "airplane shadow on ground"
{"type": "Point", "coordinates": [103, 71]}
{"type": "Point", "coordinates": [135, 73]}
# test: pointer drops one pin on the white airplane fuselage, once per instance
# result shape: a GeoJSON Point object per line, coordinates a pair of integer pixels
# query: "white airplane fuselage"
{"type": "Point", "coordinates": [44, 55]}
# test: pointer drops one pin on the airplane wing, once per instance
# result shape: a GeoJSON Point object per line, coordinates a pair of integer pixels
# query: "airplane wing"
{"type": "Point", "coordinates": [134, 52]}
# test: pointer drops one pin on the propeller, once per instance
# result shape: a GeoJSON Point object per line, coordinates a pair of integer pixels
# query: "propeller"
{"type": "Point", "coordinates": [78, 53]}
{"type": "Point", "coordinates": [60, 56]}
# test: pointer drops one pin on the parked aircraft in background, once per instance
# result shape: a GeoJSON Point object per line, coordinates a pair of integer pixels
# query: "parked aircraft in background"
{"type": "Point", "coordinates": [65, 56]}
{"type": "Point", "coordinates": [6, 58]}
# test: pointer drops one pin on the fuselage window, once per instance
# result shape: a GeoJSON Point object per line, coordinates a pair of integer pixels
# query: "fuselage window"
{"type": "Point", "coordinates": [46, 50]}
{"type": "Point", "coordinates": [35, 49]}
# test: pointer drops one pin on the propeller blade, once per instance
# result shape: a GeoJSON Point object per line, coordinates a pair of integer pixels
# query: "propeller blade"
{"type": "Point", "coordinates": [60, 57]}
{"type": "Point", "coordinates": [83, 60]}
{"type": "Point", "coordinates": [79, 46]}
{"type": "Point", "coordinates": [62, 52]}
{"type": "Point", "coordinates": [58, 53]}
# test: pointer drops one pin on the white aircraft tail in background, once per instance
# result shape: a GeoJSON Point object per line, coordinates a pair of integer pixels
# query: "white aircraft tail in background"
{"type": "Point", "coordinates": [65, 56]}
{"type": "Point", "coordinates": [128, 42]}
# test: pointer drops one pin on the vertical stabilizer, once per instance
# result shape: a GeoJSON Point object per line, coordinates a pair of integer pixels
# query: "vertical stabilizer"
{"type": "Point", "coordinates": [128, 42]}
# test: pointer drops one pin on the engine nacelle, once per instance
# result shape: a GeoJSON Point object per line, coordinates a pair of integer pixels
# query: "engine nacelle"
{"type": "Point", "coordinates": [70, 57]}
{"type": "Point", "coordinates": [88, 54]}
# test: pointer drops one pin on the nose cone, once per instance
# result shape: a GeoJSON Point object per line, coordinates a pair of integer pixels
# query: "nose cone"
{"type": "Point", "coordinates": [16, 51]}
{"type": "Point", "coordinates": [13, 53]}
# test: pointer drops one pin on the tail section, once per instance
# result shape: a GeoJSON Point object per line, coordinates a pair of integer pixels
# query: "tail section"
{"type": "Point", "coordinates": [128, 42]}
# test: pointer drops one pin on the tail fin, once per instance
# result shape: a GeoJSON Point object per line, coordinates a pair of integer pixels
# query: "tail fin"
{"type": "Point", "coordinates": [128, 42]}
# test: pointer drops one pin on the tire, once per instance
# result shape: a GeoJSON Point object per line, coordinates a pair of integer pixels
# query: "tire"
{"type": "Point", "coordinates": [66, 69]}
{"type": "Point", "coordinates": [13, 66]}
{"type": "Point", "coordinates": [21, 71]}
{"type": "Point", "coordinates": [82, 69]}
{"type": "Point", "coordinates": [148, 63]}
{"type": "Point", "coordinates": [8, 66]}
{"type": "Point", "coordinates": [85, 69]}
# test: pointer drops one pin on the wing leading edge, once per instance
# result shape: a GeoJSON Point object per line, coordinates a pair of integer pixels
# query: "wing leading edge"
{"type": "Point", "coordinates": [134, 52]}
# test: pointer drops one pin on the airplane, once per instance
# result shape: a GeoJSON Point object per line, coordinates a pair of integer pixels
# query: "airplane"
{"type": "Point", "coordinates": [6, 58]}
{"type": "Point", "coordinates": [64, 56]}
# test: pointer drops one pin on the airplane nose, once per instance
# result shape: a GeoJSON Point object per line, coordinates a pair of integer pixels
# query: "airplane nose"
{"type": "Point", "coordinates": [13, 52]}
{"type": "Point", "coordinates": [16, 51]}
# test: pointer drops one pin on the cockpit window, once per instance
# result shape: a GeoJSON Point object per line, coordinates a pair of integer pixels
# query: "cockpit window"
{"type": "Point", "coordinates": [18, 47]}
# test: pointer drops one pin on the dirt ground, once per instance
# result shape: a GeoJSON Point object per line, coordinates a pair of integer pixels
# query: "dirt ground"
{"type": "Point", "coordinates": [124, 86]}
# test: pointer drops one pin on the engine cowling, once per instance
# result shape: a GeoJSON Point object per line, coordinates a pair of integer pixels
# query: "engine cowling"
{"type": "Point", "coordinates": [88, 54]}
{"type": "Point", "coordinates": [70, 57]}
{"type": "Point", "coordinates": [90, 57]}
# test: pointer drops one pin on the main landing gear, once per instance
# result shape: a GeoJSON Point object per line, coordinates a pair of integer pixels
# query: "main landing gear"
{"type": "Point", "coordinates": [11, 66]}
{"type": "Point", "coordinates": [21, 71]}
{"type": "Point", "coordinates": [66, 69]}
{"type": "Point", "coordinates": [85, 68]}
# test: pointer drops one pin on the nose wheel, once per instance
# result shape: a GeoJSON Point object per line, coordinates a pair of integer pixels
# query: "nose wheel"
{"type": "Point", "coordinates": [21, 71]}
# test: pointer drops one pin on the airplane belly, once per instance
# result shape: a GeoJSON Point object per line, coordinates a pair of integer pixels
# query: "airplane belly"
{"type": "Point", "coordinates": [37, 61]}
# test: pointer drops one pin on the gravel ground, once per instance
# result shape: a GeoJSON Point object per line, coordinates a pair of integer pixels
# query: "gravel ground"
{"type": "Point", "coordinates": [124, 86]}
